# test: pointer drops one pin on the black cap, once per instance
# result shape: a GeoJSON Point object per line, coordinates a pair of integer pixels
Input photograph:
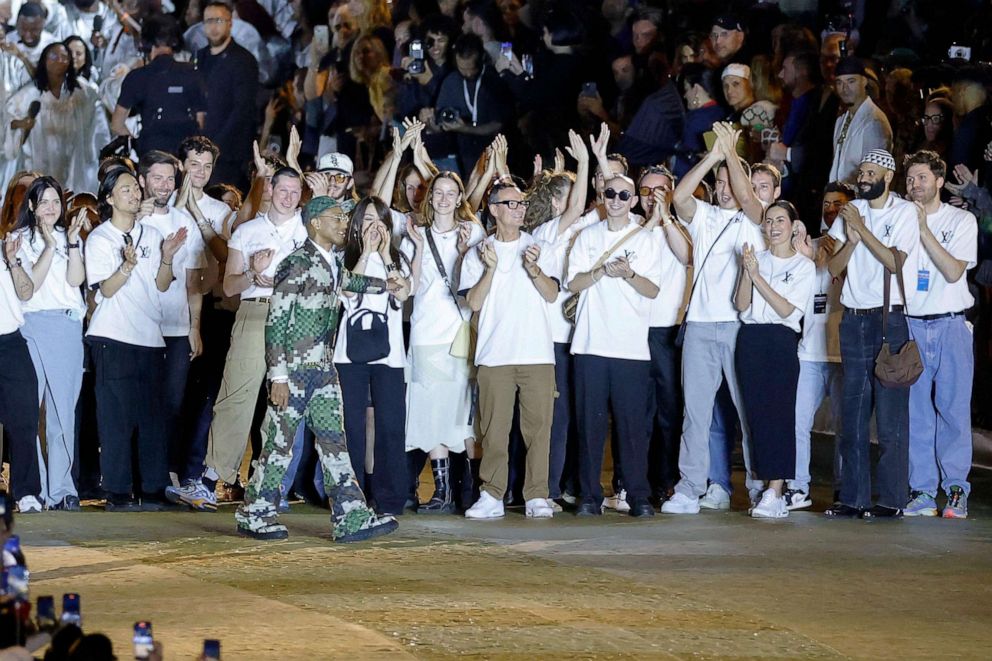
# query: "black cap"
{"type": "Point", "coordinates": [851, 66]}
{"type": "Point", "coordinates": [729, 22]}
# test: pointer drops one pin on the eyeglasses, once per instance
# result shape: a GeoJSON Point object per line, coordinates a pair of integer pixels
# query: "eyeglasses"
{"type": "Point", "coordinates": [932, 119]}
{"type": "Point", "coordinates": [513, 205]}
{"type": "Point", "coordinates": [336, 178]}
{"type": "Point", "coordinates": [216, 21]}
{"type": "Point", "coordinates": [624, 195]}
{"type": "Point", "coordinates": [645, 191]}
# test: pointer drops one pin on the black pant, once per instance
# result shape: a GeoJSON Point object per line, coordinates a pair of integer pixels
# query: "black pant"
{"type": "Point", "coordinates": [128, 401]}
{"type": "Point", "coordinates": [768, 373]}
{"type": "Point", "coordinates": [665, 410]}
{"type": "Point", "coordinates": [562, 429]}
{"type": "Point", "coordinates": [388, 396]}
{"type": "Point", "coordinates": [176, 371]}
{"type": "Point", "coordinates": [601, 384]}
{"type": "Point", "coordinates": [19, 408]}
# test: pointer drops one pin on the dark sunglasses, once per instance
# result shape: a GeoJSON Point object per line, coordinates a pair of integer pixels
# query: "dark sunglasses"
{"type": "Point", "coordinates": [624, 195]}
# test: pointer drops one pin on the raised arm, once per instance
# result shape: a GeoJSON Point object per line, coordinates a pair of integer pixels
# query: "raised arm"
{"type": "Point", "coordinates": [740, 182]}
{"type": "Point", "coordinates": [580, 189]}
{"type": "Point", "coordinates": [683, 197]}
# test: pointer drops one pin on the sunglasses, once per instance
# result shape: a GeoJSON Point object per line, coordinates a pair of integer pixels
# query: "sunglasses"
{"type": "Point", "coordinates": [336, 178]}
{"type": "Point", "coordinates": [624, 195]}
{"type": "Point", "coordinates": [645, 191]}
{"type": "Point", "coordinates": [513, 205]}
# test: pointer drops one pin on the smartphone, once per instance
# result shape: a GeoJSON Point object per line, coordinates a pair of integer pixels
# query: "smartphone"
{"type": "Point", "coordinates": [416, 65]}
{"type": "Point", "coordinates": [211, 650]}
{"type": "Point", "coordinates": [322, 35]}
{"type": "Point", "coordinates": [589, 89]}
{"type": "Point", "coordinates": [527, 62]}
{"type": "Point", "coordinates": [97, 23]}
{"type": "Point", "coordinates": [45, 613]}
{"type": "Point", "coordinates": [506, 49]}
{"type": "Point", "coordinates": [143, 642]}
{"type": "Point", "coordinates": [956, 52]}
{"type": "Point", "coordinates": [70, 609]}
{"type": "Point", "coordinates": [842, 44]}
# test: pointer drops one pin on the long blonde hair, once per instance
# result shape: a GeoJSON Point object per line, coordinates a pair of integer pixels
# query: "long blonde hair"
{"type": "Point", "coordinates": [462, 213]}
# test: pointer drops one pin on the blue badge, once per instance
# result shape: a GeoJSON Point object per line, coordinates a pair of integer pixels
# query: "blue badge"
{"type": "Point", "coordinates": [923, 280]}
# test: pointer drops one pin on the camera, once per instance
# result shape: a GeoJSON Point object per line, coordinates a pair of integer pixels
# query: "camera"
{"type": "Point", "coordinates": [417, 64]}
{"type": "Point", "coordinates": [447, 115]}
{"type": "Point", "coordinates": [956, 52]}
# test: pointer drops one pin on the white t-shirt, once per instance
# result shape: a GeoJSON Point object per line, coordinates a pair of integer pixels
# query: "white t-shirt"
{"type": "Point", "coordinates": [792, 278]}
{"type": "Point", "coordinates": [612, 318]}
{"type": "Point", "coordinates": [175, 300]}
{"type": "Point", "coordinates": [820, 342]}
{"type": "Point", "coordinates": [55, 293]}
{"type": "Point", "coordinates": [393, 310]}
{"type": "Point", "coordinates": [894, 225]}
{"type": "Point", "coordinates": [133, 315]}
{"type": "Point", "coordinates": [713, 297]}
{"type": "Point", "coordinates": [215, 212]}
{"type": "Point", "coordinates": [957, 232]}
{"type": "Point", "coordinates": [671, 287]}
{"type": "Point", "coordinates": [550, 240]}
{"type": "Point", "coordinates": [515, 320]}
{"type": "Point", "coordinates": [11, 316]}
{"type": "Point", "coordinates": [261, 234]}
{"type": "Point", "coordinates": [435, 318]}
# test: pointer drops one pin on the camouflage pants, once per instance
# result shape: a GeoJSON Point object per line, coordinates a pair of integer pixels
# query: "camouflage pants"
{"type": "Point", "coordinates": [314, 396]}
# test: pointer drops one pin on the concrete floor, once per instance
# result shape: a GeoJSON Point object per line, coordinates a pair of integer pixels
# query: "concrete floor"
{"type": "Point", "coordinates": [707, 586]}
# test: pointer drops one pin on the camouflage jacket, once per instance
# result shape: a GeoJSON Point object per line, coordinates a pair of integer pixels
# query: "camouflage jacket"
{"type": "Point", "coordinates": [304, 309]}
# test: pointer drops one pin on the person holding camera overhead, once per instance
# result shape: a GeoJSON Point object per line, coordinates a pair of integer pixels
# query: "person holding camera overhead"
{"type": "Point", "coordinates": [370, 357]}
{"type": "Point", "coordinates": [774, 290]}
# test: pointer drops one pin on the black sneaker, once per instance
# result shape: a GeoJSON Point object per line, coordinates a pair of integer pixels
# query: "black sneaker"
{"type": "Point", "coordinates": [118, 503]}
{"type": "Point", "coordinates": [842, 511]}
{"type": "Point", "coordinates": [383, 528]}
{"type": "Point", "coordinates": [882, 512]}
{"type": "Point", "coordinates": [68, 504]}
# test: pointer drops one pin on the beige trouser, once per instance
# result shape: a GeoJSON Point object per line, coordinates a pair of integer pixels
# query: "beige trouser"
{"type": "Point", "coordinates": [244, 372]}
{"type": "Point", "coordinates": [498, 388]}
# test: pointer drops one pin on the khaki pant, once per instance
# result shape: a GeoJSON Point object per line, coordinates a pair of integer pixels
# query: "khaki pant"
{"type": "Point", "coordinates": [498, 387]}
{"type": "Point", "coordinates": [244, 373]}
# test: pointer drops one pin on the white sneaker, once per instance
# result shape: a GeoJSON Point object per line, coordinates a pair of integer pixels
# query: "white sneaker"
{"type": "Point", "coordinates": [617, 502]}
{"type": "Point", "coordinates": [680, 504]}
{"type": "Point", "coordinates": [770, 506]}
{"type": "Point", "coordinates": [797, 500]}
{"type": "Point", "coordinates": [554, 506]}
{"type": "Point", "coordinates": [29, 504]}
{"type": "Point", "coordinates": [486, 507]}
{"type": "Point", "coordinates": [537, 508]}
{"type": "Point", "coordinates": [715, 498]}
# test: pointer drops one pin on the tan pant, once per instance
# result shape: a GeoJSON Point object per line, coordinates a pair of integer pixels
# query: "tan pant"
{"type": "Point", "coordinates": [498, 388]}
{"type": "Point", "coordinates": [244, 372]}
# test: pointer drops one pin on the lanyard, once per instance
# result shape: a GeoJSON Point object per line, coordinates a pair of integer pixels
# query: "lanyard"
{"type": "Point", "coordinates": [473, 103]}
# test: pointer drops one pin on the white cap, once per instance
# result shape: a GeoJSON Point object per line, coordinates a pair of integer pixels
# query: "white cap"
{"type": "Point", "coordinates": [735, 69]}
{"type": "Point", "coordinates": [336, 161]}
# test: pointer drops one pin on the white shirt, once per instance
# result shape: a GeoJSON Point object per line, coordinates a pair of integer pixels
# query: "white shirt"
{"type": "Point", "coordinates": [820, 342]}
{"type": "Point", "coordinates": [55, 293]}
{"type": "Point", "coordinates": [175, 300]}
{"type": "Point", "coordinates": [384, 303]}
{"type": "Point", "coordinates": [515, 320]}
{"type": "Point", "coordinates": [869, 129]}
{"type": "Point", "coordinates": [557, 244]}
{"type": "Point", "coordinates": [612, 318]}
{"type": "Point", "coordinates": [957, 232]}
{"type": "Point", "coordinates": [894, 225]}
{"type": "Point", "coordinates": [262, 234]}
{"type": "Point", "coordinates": [133, 315]}
{"type": "Point", "coordinates": [671, 287]}
{"type": "Point", "coordinates": [435, 318]}
{"type": "Point", "coordinates": [792, 278]}
{"type": "Point", "coordinates": [11, 316]}
{"type": "Point", "coordinates": [716, 275]}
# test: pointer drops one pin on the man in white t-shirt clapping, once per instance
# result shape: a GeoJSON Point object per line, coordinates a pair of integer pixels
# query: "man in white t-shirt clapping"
{"type": "Point", "coordinates": [940, 401]}
{"type": "Point", "coordinates": [616, 282]}
{"type": "Point", "coordinates": [505, 280]}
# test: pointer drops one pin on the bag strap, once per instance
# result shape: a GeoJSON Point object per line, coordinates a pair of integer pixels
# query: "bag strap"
{"type": "Point", "coordinates": [697, 273]}
{"type": "Point", "coordinates": [442, 271]}
{"type": "Point", "coordinates": [900, 259]}
{"type": "Point", "coordinates": [616, 246]}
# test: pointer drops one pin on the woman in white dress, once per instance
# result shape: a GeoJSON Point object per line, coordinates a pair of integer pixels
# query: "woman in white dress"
{"type": "Point", "coordinates": [439, 403]}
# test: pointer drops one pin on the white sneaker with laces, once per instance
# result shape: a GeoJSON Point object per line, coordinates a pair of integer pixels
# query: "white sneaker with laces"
{"type": "Point", "coordinates": [715, 498]}
{"type": "Point", "coordinates": [771, 506]}
{"type": "Point", "coordinates": [554, 506]}
{"type": "Point", "coordinates": [680, 504]}
{"type": "Point", "coordinates": [29, 504]}
{"type": "Point", "coordinates": [486, 507]}
{"type": "Point", "coordinates": [538, 508]}
{"type": "Point", "coordinates": [617, 502]}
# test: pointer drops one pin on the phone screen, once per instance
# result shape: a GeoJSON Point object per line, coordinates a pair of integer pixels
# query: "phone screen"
{"type": "Point", "coordinates": [70, 609]}
{"type": "Point", "coordinates": [322, 36]}
{"type": "Point", "coordinates": [46, 613]}
{"type": "Point", "coordinates": [417, 49]}
{"type": "Point", "coordinates": [211, 650]}
{"type": "Point", "coordinates": [506, 49]}
{"type": "Point", "coordinates": [143, 642]}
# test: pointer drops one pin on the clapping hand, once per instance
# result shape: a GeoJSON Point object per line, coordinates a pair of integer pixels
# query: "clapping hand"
{"type": "Point", "coordinates": [488, 255]}
{"type": "Point", "coordinates": [576, 147]}
{"type": "Point", "coordinates": [464, 234]}
{"type": "Point", "coordinates": [853, 223]}
{"type": "Point", "coordinates": [130, 255]}
{"type": "Point", "coordinates": [76, 226]}
{"type": "Point", "coordinates": [801, 242]}
{"type": "Point", "coordinates": [173, 243]}
{"type": "Point", "coordinates": [619, 268]}
{"type": "Point", "coordinates": [317, 182]}
{"type": "Point", "coordinates": [600, 142]}
{"type": "Point", "coordinates": [10, 247]}
{"type": "Point", "coordinates": [748, 260]}
{"type": "Point", "coordinates": [260, 261]}
{"type": "Point", "coordinates": [531, 255]}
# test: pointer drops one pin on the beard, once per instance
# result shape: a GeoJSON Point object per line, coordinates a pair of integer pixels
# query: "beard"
{"type": "Point", "coordinates": [873, 192]}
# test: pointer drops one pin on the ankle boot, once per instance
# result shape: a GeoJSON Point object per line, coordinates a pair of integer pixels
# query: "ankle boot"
{"type": "Point", "coordinates": [473, 475]}
{"type": "Point", "coordinates": [440, 502]}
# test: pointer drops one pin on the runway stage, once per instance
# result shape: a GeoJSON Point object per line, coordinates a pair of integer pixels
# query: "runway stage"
{"type": "Point", "coordinates": [714, 585]}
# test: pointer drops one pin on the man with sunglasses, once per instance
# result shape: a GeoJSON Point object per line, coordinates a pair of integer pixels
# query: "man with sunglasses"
{"type": "Point", "coordinates": [338, 169]}
{"type": "Point", "coordinates": [614, 265]}
{"type": "Point", "coordinates": [505, 280]}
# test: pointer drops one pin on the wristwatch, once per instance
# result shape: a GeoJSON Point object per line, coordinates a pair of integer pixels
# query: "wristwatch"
{"type": "Point", "coordinates": [70, 246]}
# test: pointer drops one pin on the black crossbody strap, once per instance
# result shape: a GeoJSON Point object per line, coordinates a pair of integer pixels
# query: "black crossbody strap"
{"type": "Point", "coordinates": [441, 270]}
{"type": "Point", "coordinates": [698, 273]}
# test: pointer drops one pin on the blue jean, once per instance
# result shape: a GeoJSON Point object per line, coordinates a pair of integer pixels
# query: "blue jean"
{"type": "Point", "coordinates": [816, 381]}
{"type": "Point", "coordinates": [300, 447]}
{"type": "Point", "coordinates": [860, 342]}
{"type": "Point", "coordinates": [940, 406]}
{"type": "Point", "coordinates": [724, 432]}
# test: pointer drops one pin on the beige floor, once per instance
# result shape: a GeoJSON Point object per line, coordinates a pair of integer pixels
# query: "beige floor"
{"type": "Point", "coordinates": [716, 585]}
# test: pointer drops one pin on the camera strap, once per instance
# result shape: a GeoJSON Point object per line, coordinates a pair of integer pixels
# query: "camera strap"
{"type": "Point", "coordinates": [473, 103]}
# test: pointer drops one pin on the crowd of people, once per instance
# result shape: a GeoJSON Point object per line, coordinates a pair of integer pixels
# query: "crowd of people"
{"type": "Point", "coordinates": [359, 236]}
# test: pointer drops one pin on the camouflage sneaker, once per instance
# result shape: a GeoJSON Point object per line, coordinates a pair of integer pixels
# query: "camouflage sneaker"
{"type": "Point", "coordinates": [361, 524]}
{"type": "Point", "coordinates": [253, 523]}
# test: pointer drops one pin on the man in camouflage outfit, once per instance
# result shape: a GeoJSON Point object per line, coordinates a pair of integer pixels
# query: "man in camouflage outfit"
{"type": "Point", "coordinates": [299, 334]}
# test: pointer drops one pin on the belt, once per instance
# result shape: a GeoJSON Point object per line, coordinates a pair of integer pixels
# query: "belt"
{"type": "Point", "coordinates": [256, 299]}
{"type": "Point", "coordinates": [932, 317]}
{"type": "Point", "coordinates": [864, 312]}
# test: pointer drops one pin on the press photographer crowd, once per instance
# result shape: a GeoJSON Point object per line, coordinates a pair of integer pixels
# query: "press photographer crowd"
{"type": "Point", "coordinates": [352, 238]}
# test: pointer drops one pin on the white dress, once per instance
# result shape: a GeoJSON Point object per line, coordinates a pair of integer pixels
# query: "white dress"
{"type": "Point", "coordinates": [438, 394]}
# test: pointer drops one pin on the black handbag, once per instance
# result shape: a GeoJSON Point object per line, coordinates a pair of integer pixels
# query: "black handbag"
{"type": "Point", "coordinates": [367, 345]}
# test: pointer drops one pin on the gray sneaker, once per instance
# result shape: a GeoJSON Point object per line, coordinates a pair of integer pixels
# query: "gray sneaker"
{"type": "Point", "coordinates": [920, 504]}
{"type": "Point", "coordinates": [195, 494]}
{"type": "Point", "coordinates": [957, 504]}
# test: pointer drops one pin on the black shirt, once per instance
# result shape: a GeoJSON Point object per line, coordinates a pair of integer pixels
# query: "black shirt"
{"type": "Point", "coordinates": [167, 95]}
{"type": "Point", "coordinates": [230, 80]}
